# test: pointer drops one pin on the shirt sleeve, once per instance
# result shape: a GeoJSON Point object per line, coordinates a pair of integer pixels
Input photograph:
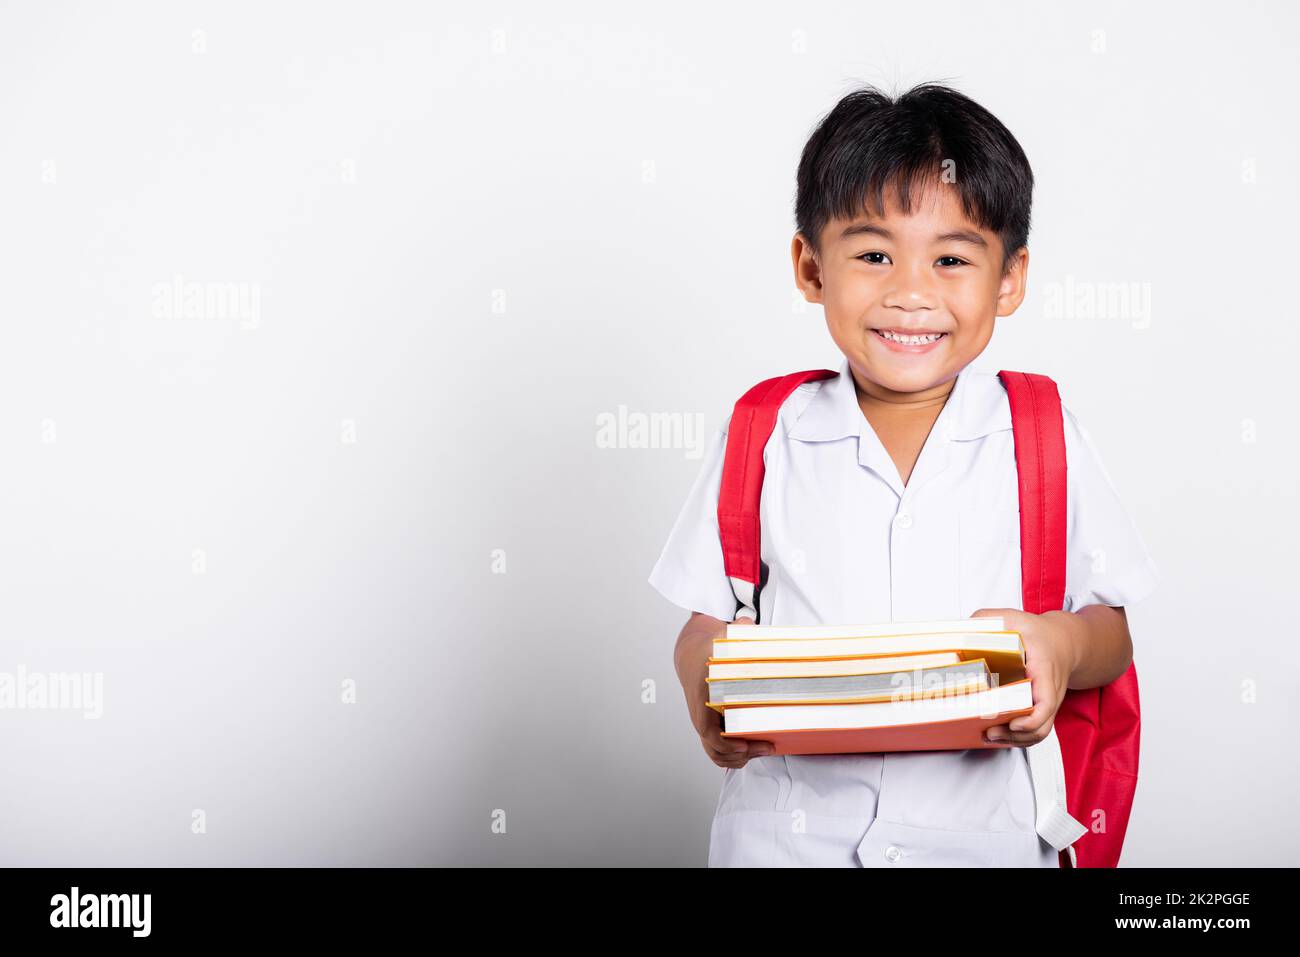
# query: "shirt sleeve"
{"type": "Point", "coordinates": [1107, 562]}
{"type": "Point", "coordinates": [690, 572]}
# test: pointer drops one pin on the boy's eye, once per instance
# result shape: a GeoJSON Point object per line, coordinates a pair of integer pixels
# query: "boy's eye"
{"type": "Point", "coordinates": [880, 259]}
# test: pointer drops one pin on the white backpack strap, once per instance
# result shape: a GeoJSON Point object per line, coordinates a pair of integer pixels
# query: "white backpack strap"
{"type": "Point", "coordinates": [1052, 821]}
{"type": "Point", "coordinates": [746, 598]}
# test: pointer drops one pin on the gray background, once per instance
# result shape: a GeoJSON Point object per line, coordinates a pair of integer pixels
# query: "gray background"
{"type": "Point", "coordinates": [472, 232]}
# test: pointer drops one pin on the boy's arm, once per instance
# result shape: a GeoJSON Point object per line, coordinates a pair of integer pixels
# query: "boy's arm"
{"type": "Point", "coordinates": [1102, 646]}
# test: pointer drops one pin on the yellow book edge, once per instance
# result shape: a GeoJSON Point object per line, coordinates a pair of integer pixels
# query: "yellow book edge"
{"type": "Point", "coordinates": [847, 674]}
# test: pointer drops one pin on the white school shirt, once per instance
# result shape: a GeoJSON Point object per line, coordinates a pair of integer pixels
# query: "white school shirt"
{"type": "Point", "coordinates": [846, 543]}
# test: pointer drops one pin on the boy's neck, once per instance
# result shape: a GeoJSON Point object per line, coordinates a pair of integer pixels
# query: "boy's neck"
{"type": "Point", "coordinates": [902, 420]}
{"type": "Point", "coordinates": [876, 400]}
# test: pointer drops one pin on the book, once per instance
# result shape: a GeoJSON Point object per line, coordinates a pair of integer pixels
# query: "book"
{"type": "Point", "coordinates": [892, 685]}
{"type": "Point", "coordinates": [826, 667]}
{"type": "Point", "coordinates": [1003, 650]}
{"type": "Point", "coordinates": [945, 723]}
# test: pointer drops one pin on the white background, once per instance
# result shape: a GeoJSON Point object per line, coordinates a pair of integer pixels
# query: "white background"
{"type": "Point", "coordinates": [472, 232]}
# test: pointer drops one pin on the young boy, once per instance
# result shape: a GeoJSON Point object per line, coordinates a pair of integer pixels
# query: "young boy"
{"type": "Point", "coordinates": [891, 495]}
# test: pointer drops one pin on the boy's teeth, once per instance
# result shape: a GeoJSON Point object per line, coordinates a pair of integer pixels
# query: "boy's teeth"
{"type": "Point", "coordinates": [912, 340]}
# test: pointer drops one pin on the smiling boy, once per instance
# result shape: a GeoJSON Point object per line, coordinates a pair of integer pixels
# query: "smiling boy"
{"type": "Point", "coordinates": [891, 495]}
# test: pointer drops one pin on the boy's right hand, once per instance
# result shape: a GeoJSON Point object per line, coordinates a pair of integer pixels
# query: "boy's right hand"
{"type": "Point", "coordinates": [694, 645]}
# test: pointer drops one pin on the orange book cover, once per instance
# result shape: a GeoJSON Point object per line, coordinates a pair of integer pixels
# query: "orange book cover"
{"type": "Point", "coordinates": [955, 735]}
{"type": "Point", "coordinates": [949, 734]}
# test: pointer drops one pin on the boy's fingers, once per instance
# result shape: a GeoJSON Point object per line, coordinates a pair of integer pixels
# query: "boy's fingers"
{"type": "Point", "coordinates": [738, 759]}
{"type": "Point", "coordinates": [1004, 734]}
{"type": "Point", "coordinates": [1044, 695]}
{"type": "Point", "coordinates": [1033, 730]}
{"type": "Point", "coordinates": [727, 745]}
{"type": "Point", "coordinates": [712, 733]}
{"type": "Point", "coordinates": [733, 759]}
{"type": "Point", "coordinates": [1031, 722]}
{"type": "Point", "coordinates": [753, 749]}
{"type": "Point", "coordinates": [1025, 739]}
{"type": "Point", "coordinates": [734, 763]}
{"type": "Point", "coordinates": [997, 732]}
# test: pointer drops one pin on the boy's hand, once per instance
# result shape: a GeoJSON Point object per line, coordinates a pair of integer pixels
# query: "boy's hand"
{"type": "Point", "coordinates": [1050, 659]}
{"type": "Point", "coordinates": [694, 645]}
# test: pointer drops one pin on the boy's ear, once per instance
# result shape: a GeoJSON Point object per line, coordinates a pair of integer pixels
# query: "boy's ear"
{"type": "Point", "coordinates": [1014, 283]}
{"type": "Point", "coordinates": [807, 271]}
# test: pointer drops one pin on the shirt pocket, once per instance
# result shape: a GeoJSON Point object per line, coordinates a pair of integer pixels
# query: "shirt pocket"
{"type": "Point", "coordinates": [988, 545]}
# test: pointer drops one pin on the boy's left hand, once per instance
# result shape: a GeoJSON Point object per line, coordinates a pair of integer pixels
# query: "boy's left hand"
{"type": "Point", "coordinates": [1049, 662]}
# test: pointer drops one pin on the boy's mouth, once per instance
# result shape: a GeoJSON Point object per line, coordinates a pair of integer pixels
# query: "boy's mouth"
{"type": "Point", "coordinates": [914, 340]}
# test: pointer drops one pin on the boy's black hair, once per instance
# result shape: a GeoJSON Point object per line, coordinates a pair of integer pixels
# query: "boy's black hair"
{"type": "Point", "coordinates": [869, 142]}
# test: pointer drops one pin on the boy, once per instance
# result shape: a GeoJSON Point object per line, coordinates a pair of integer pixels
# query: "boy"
{"type": "Point", "coordinates": [891, 495]}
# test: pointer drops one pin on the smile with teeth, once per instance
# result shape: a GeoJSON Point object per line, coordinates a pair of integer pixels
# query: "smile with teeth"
{"type": "Point", "coordinates": [921, 340]}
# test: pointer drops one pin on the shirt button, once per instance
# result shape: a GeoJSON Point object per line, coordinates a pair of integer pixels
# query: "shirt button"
{"type": "Point", "coordinates": [903, 520]}
{"type": "Point", "coordinates": [892, 853]}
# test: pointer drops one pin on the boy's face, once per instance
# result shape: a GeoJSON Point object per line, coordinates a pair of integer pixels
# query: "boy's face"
{"type": "Point", "coordinates": [933, 272]}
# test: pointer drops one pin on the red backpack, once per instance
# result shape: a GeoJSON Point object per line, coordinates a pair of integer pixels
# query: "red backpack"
{"type": "Point", "coordinates": [1086, 769]}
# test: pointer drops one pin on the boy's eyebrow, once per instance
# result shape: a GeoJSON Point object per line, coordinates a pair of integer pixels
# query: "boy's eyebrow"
{"type": "Point", "coordinates": [953, 236]}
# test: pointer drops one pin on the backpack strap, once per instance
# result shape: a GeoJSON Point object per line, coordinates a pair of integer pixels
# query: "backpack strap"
{"type": "Point", "coordinates": [1037, 424]}
{"type": "Point", "coordinates": [743, 469]}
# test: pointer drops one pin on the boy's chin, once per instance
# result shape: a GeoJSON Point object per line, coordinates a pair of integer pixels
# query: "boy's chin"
{"type": "Point", "coordinates": [906, 376]}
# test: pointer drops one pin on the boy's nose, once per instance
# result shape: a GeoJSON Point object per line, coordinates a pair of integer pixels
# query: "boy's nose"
{"type": "Point", "coordinates": [910, 291]}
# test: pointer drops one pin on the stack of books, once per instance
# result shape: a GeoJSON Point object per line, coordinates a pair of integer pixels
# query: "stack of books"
{"type": "Point", "coordinates": [900, 686]}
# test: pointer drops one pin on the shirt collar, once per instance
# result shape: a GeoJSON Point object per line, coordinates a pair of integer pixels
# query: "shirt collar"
{"type": "Point", "coordinates": [976, 407]}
